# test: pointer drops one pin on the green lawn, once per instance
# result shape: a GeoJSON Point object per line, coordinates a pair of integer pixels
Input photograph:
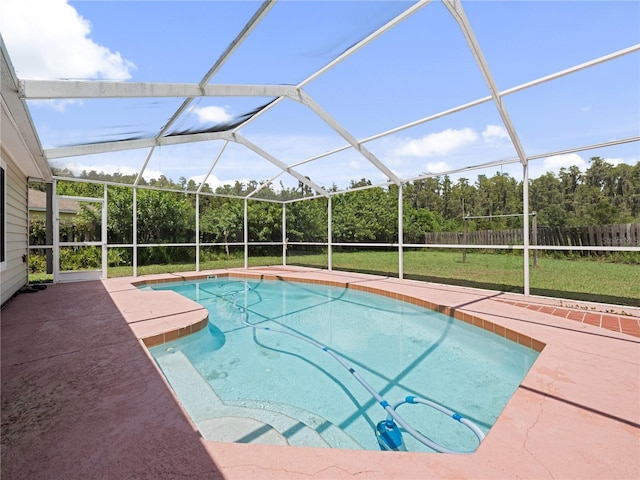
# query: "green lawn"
{"type": "Point", "coordinates": [590, 280]}
{"type": "Point", "coordinates": [582, 279]}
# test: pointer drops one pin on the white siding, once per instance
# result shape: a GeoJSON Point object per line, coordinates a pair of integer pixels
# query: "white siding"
{"type": "Point", "coordinates": [15, 274]}
{"type": "Point", "coordinates": [22, 157]}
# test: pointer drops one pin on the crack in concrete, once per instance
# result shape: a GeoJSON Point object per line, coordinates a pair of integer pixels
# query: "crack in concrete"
{"type": "Point", "coordinates": [312, 474]}
{"type": "Point", "coordinates": [48, 357]}
{"type": "Point", "coordinates": [531, 428]}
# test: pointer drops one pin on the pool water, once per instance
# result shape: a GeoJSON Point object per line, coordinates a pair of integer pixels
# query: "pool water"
{"type": "Point", "coordinates": [301, 391]}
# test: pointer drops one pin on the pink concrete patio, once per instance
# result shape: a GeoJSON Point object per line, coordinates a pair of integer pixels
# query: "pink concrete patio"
{"type": "Point", "coordinates": [82, 398]}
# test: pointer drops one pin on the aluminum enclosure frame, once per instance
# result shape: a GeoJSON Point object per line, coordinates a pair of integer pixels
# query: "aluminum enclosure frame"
{"type": "Point", "coordinates": [47, 89]}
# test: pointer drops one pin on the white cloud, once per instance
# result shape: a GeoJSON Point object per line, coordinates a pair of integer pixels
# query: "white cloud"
{"type": "Point", "coordinates": [212, 180]}
{"type": "Point", "coordinates": [50, 40]}
{"type": "Point", "coordinates": [438, 167]}
{"type": "Point", "coordinates": [493, 133]}
{"type": "Point", "coordinates": [199, 178]}
{"type": "Point", "coordinates": [440, 143]}
{"type": "Point", "coordinates": [212, 114]}
{"type": "Point", "coordinates": [614, 161]}
{"type": "Point", "coordinates": [57, 105]}
{"type": "Point", "coordinates": [556, 162]}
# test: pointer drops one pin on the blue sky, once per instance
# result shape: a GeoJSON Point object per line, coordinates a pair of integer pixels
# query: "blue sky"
{"type": "Point", "coordinates": [418, 68]}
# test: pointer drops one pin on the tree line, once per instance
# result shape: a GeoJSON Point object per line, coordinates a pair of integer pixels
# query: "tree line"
{"type": "Point", "coordinates": [603, 194]}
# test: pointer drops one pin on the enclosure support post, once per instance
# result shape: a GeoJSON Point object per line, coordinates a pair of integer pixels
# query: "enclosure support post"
{"type": "Point", "coordinates": [534, 237]}
{"type": "Point", "coordinates": [197, 232]}
{"type": "Point", "coordinates": [400, 234]}
{"type": "Point", "coordinates": [104, 233]}
{"type": "Point", "coordinates": [49, 227]}
{"type": "Point", "coordinates": [56, 234]}
{"type": "Point", "coordinates": [329, 236]}
{"type": "Point", "coordinates": [465, 237]}
{"type": "Point", "coordinates": [135, 231]}
{"type": "Point", "coordinates": [525, 224]}
{"type": "Point", "coordinates": [246, 234]}
{"type": "Point", "coordinates": [284, 234]}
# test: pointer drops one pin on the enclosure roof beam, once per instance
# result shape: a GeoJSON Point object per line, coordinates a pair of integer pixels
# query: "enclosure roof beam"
{"type": "Point", "coordinates": [593, 146]}
{"type": "Point", "coordinates": [94, 148]}
{"type": "Point", "coordinates": [575, 68]}
{"type": "Point", "coordinates": [456, 10]}
{"type": "Point", "coordinates": [244, 33]}
{"type": "Point", "coordinates": [109, 147]}
{"type": "Point", "coordinates": [174, 140]}
{"type": "Point", "coordinates": [365, 41]}
{"type": "Point", "coordinates": [63, 89]}
{"type": "Point", "coordinates": [476, 166]}
{"type": "Point", "coordinates": [283, 166]}
{"type": "Point", "coordinates": [350, 51]}
{"type": "Point", "coordinates": [306, 100]}
{"type": "Point", "coordinates": [213, 165]}
{"type": "Point", "coordinates": [241, 37]}
{"type": "Point", "coordinates": [496, 163]}
{"type": "Point", "coordinates": [237, 41]}
{"type": "Point", "coordinates": [265, 184]}
{"type": "Point", "coordinates": [508, 91]}
{"type": "Point", "coordinates": [358, 189]}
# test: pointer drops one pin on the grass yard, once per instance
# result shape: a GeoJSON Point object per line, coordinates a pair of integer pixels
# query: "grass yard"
{"type": "Point", "coordinates": [582, 279]}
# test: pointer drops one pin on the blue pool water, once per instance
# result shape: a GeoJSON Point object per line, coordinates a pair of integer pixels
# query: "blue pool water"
{"type": "Point", "coordinates": [398, 348]}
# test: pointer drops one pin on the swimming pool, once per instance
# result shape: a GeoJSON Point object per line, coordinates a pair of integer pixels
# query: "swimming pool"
{"type": "Point", "coordinates": [232, 376]}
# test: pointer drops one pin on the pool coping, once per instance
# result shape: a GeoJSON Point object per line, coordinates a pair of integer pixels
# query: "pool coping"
{"type": "Point", "coordinates": [181, 331]}
{"type": "Point", "coordinates": [565, 398]}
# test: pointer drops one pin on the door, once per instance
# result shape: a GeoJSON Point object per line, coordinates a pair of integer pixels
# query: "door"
{"type": "Point", "coordinates": [80, 238]}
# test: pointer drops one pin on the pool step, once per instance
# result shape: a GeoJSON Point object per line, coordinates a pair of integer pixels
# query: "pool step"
{"type": "Point", "coordinates": [247, 422]}
{"type": "Point", "coordinates": [195, 394]}
{"type": "Point", "coordinates": [240, 430]}
{"type": "Point", "coordinates": [333, 435]}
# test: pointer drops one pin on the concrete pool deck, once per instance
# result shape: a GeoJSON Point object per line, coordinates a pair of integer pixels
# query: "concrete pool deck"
{"type": "Point", "coordinates": [82, 398]}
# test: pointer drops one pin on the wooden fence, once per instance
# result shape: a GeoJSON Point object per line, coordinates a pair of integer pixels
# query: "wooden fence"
{"type": "Point", "coordinates": [620, 235]}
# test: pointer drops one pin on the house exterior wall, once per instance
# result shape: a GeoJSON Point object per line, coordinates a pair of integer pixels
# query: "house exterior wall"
{"type": "Point", "coordinates": [14, 274]}
{"type": "Point", "coordinates": [21, 157]}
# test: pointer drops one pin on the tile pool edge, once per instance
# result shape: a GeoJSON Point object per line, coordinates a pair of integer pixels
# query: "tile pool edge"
{"type": "Point", "coordinates": [174, 334]}
{"type": "Point", "coordinates": [457, 313]}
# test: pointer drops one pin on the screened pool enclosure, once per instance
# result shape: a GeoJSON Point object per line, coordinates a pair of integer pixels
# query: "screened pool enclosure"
{"type": "Point", "coordinates": [322, 102]}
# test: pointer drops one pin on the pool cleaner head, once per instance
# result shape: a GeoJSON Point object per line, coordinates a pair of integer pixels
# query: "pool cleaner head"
{"type": "Point", "coordinates": [389, 436]}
